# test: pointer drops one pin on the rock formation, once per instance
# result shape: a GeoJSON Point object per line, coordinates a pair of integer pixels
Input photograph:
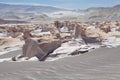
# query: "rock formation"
{"type": "Point", "coordinates": [86, 35]}
{"type": "Point", "coordinates": [42, 46]}
{"type": "Point", "coordinates": [41, 50]}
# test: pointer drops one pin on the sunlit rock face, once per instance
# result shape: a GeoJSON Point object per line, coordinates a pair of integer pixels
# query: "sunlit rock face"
{"type": "Point", "coordinates": [6, 43]}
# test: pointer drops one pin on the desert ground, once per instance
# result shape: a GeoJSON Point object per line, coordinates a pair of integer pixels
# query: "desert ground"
{"type": "Point", "coordinates": [101, 64]}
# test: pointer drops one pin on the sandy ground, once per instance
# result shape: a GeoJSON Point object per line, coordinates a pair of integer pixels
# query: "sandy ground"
{"type": "Point", "coordinates": [101, 64]}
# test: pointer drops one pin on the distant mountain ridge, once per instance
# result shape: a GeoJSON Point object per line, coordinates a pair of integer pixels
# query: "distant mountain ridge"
{"type": "Point", "coordinates": [37, 13]}
{"type": "Point", "coordinates": [27, 8]}
{"type": "Point", "coordinates": [25, 13]}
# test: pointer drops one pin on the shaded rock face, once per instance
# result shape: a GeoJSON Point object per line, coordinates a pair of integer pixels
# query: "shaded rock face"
{"type": "Point", "coordinates": [49, 47]}
{"type": "Point", "coordinates": [91, 40]}
{"type": "Point", "coordinates": [41, 50]}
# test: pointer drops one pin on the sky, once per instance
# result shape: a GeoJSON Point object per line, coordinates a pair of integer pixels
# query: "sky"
{"type": "Point", "coordinates": [67, 4]}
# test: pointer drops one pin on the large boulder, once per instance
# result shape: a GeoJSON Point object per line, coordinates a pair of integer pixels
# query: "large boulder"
{"type": "Point", "coordinates": [87, 35]}
{"type": "Point", "coordinates": [41, 50]}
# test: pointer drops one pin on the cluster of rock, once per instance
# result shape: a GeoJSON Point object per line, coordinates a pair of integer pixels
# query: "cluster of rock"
{"type": "Point", "coordinates": [42, 39]}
